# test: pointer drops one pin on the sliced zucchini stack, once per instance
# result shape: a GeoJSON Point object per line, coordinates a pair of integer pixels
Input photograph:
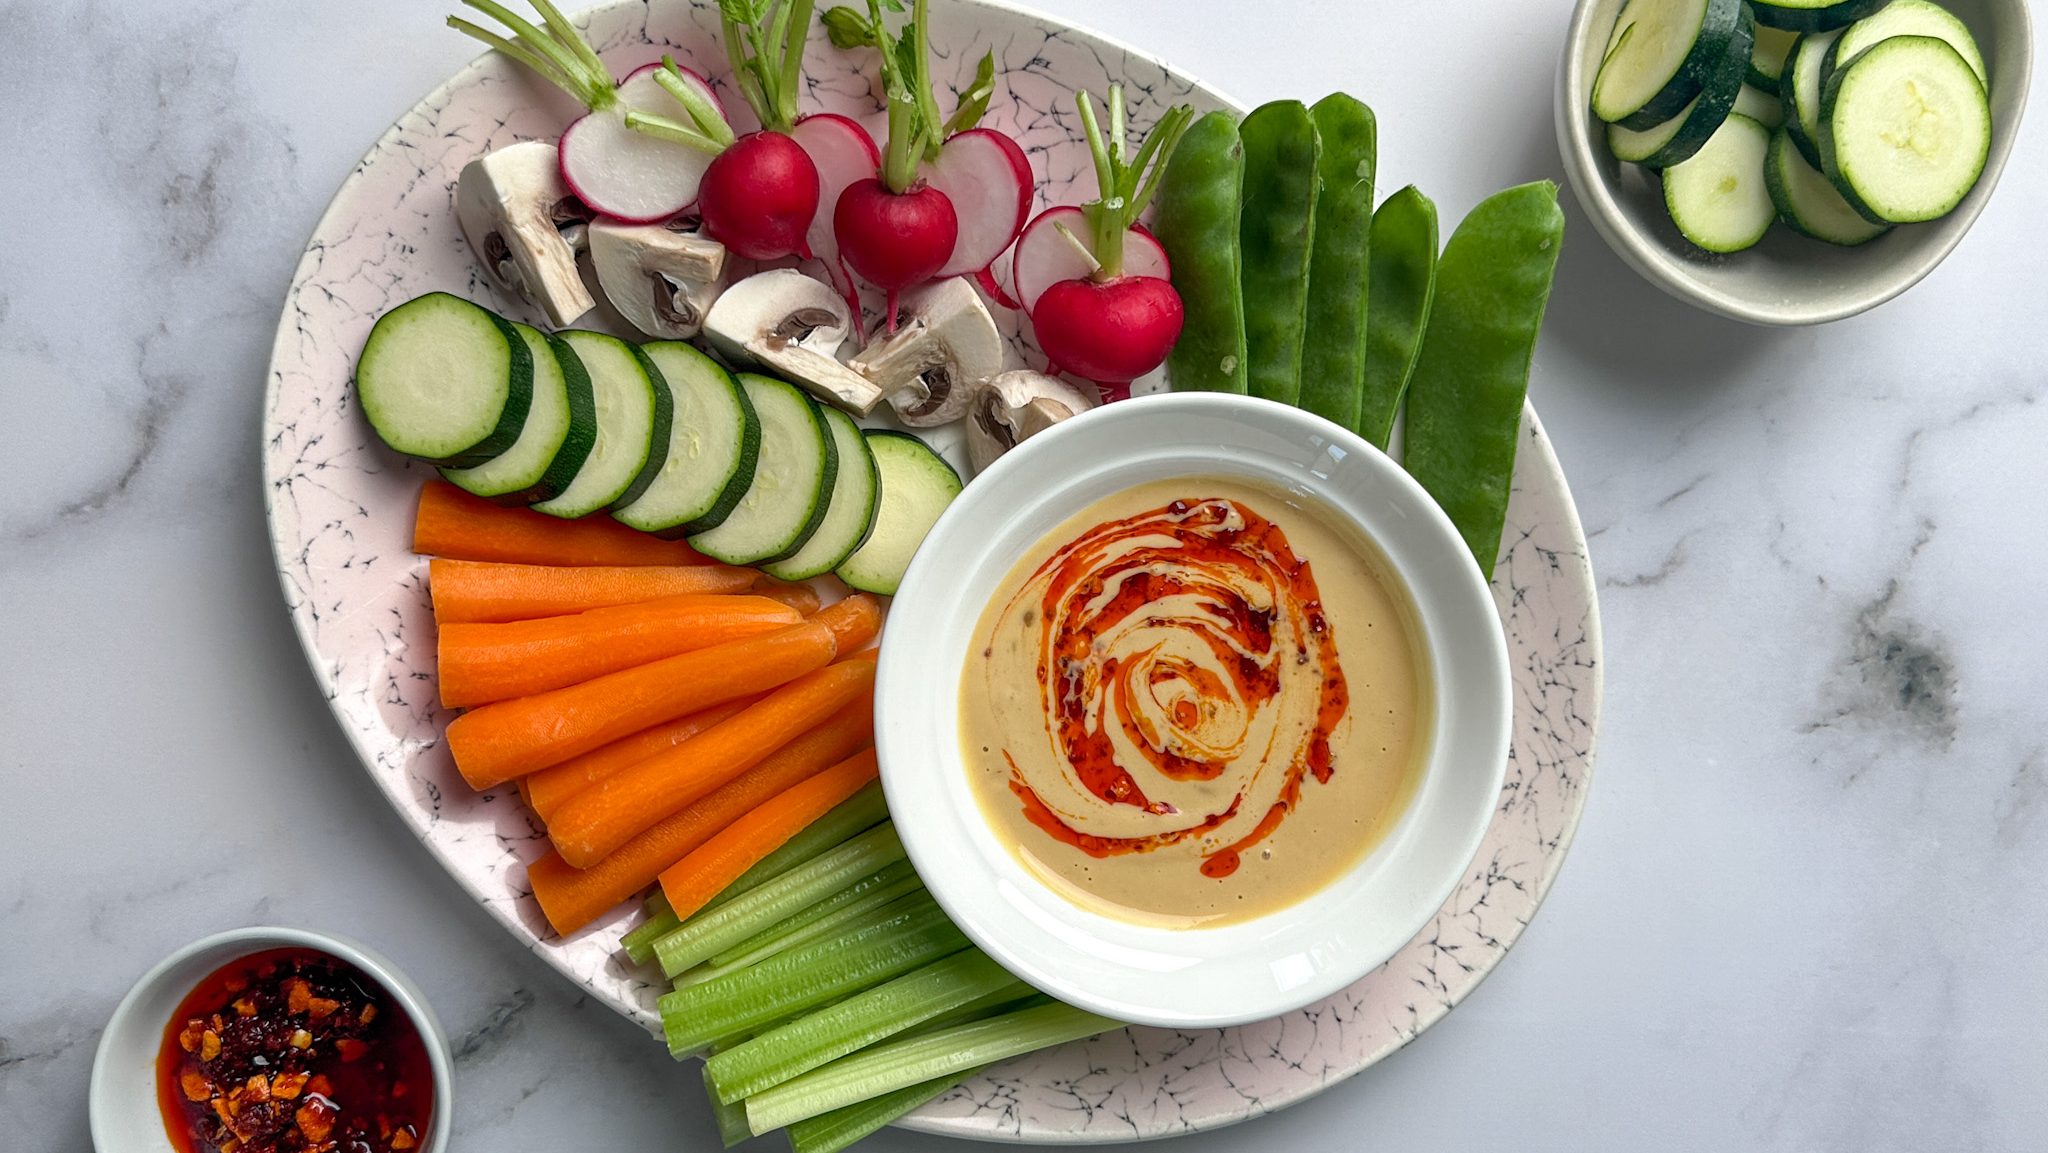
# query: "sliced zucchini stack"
{"type": "Point", "coordinates": [791, 489]}
{"type": "Point", "coordinates": [634, 409]}
{"type": "Point", "coordinates": [714, 440]}
{"type": "Point", "coordinates": [445, 381]}
{"type": "Point", "coordinates": [1856, 115]}
{"type": "Point", "coordinates": [561, 426]}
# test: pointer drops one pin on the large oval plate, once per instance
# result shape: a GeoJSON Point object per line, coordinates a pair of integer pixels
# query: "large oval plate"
{"type": "Point", "coordinates": [341, 512]}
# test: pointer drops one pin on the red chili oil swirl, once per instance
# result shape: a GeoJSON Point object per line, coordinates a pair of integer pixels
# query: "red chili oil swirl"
{"type": "Point", "coordinates": [1220, 607]}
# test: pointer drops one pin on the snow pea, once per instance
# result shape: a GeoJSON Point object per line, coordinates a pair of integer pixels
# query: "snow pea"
{"type": "Point", "coordinates": [1333, 346]}
{"type": "Point", "coordinates": [1281, 153]}
{"type": "Point", "coordinates": [1403, 279]}
{"type": "Point", "coordinates": [1465, 397]}
{"type": "Point", "coordinates": [1199, 201]}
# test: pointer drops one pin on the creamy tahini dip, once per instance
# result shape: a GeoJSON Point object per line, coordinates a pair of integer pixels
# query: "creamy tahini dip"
{"type": "Point", "coordinates": [1197, 701]}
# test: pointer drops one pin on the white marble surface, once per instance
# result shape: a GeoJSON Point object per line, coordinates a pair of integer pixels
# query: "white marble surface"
{"type": "Point", "coordinates": [1802, 912]}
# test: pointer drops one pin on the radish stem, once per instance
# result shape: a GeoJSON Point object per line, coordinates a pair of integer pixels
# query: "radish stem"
{"type": "Point", "coordinates": [1126, 182]}
{"type": "Point", "coordinates": [540, 64]}
{"type": "Point", "coordinates": [764, 42]}
{"type": "Point", "coordinates": [707, 118]}
{"type": "Point", "coordinates": [662, 128]}
{"type": "Point", "coordinates": [915, 128]}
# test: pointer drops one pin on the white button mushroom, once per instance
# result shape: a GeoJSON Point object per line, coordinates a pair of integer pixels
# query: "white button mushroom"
{"type": "Point", "coordinates": [525, 226]}
{"type": "Point", "coordinates": [1009, 408]}
{"type": "Point", "coordinates": [791, 326]}
{"type": "Point", "coordinates": [946, 344]}
{"type": "Point", "coordinates": [662, 278]}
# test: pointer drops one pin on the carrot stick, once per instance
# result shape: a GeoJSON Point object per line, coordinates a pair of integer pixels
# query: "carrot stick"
{"type": "Point", "coordinates": [611, 811]}
{"type": "Point", "coordinates": [690, 883]}
{"type": "Point", "coordinates": [802, 598]}
{"type": "Point", "coordinates": [479, 591]}
{"type": "Point", "coordinates": [481, 663]}
{"type": "Point", "coordinates": [572, 898]}
{"type": "Point", "coordinates": [545, 790]}
{"type": "Point", "coordinates": [854, 621]}
{"type": "Point", "coordinates": [453, 523]}
{"type": "Point", "coordinates": [505, 739]}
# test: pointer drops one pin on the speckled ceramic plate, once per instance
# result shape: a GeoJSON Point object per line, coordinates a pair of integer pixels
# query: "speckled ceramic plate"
{"type": "Point", "coordinates": [341, 514]}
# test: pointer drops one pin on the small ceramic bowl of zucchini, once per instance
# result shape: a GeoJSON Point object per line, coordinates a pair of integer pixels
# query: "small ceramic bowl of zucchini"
{"type": "Point", "coordinates": [1789, 162]}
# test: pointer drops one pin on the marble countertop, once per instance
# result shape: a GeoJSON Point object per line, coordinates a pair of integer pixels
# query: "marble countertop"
{"type": "Point", "coordinates": [1803, 909]}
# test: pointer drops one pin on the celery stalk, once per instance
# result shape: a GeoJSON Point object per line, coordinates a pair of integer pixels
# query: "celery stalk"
{"type": "Point", "coordinates": [831, 1132]}
{"type": "Point", "coordinates": [716, 930]}
{"type": "Point", "coordinates": [854, 815]}
{"type": "Point", "coordinates": [902, 1064]}
{"type": "Point", "coordinates": [731, 1119]}
{"type": "Point", "coordinates": [869, 893]}
{"type": "Point", "coordinates": [855, 1023]}
{"type": "Point", "coordinates": [661, 921]}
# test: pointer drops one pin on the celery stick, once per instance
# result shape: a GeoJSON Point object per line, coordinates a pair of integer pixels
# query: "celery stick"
{"type": "Point", "coordinates": [661, 921]}
{"type": "Point", "coordinates": [865, 895]}
{"type": "Point", "coordinates": [1008, 999]}
{"type": "Point", "coordinates": [901, 1064]}
{"type": "Point", "coordinates": [719, 929]}
{"type": "Point", "coordinates": [806, 978]}
{"type": "Point", "coordinates": [855, 1023]}
{"type": "Point", "coordinates": [731, 1119]}
{"type": "Point", "coordinates": [781, 938]}
{"type": "Point", "coordinates": [831, 1132]}
{"type": "Point", "coordinates": [856, 814]}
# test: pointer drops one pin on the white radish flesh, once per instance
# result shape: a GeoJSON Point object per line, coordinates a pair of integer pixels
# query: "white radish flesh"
{"type": "Point", "coordinates": [1044, 256]}
{"type": "Point", "coordinates": [630, 175]}
{"type": "Point", "coordinates": [988, 179]}
{"type": "Point", "coordinates": [843, 152]}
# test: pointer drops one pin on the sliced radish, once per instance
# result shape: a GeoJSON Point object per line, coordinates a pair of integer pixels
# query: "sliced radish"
{"type": "Point", "coordinates": [630, 175]}
{"type": "Point", "coordinates": [1044, 257]}
{"type": "Point", "coordinates": [843, 152]}
{"type": "Point", "coordinates": [988, 179]}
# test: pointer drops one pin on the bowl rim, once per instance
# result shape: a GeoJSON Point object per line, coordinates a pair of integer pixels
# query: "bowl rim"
{"type": "Point", "coordinates": [218, 949]}
{"type": "Point", "coordinates": [1644, 254]}
{"type": "Point", "coordinates": [1279, 961]}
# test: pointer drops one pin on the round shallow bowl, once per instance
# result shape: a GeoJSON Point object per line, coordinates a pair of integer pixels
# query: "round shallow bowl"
{"type": "Point", "coordinates": [1788, 279]}
{"type": "Point", "coordinates": [123, 1103]}
{"type": "Point", "coordinates": [1241, 971]}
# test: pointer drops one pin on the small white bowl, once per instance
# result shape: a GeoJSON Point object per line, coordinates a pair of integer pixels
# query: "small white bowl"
{"type": "Point", "coordinates": [1788, 279]}
{"type": "Point", "coordinates": [1248, 970]}
{"type": "Point", "coordinates": [123, 1106]}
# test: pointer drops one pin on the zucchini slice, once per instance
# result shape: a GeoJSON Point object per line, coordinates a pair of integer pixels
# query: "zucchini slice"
{"type": "Point", "coordinates": [632, 414]}
{"type": "Point", "coordinates": [1905, 18]}
{"type": "Point", "coordinates": [1768, 57]}
{"type": "Point", "coordinates": [1660, 56]}
{"type": "Point", "coordinates": [446, 381]}
{"type": "Point", "coordinates": [792, 483]}
{"type": "Point", "coordinates": [1807, 200]}
{"type": "Point", "coordinates": [1678, 138]}
{"type": "Point", "coordinates": [1905, 130]}
{"type": "Point", "coordinates": [1718, 198]}
{"type": "Point", "coordinates": [851, 512]}
{"type": "Point", "coordinates": [917, 485]}
{"type": "Point", "coordinates": [560, 427]}
{"type": "Point", "coordinates": [714, 438]}
{"type": "Point", "coordinates": [1813, 15]}
{"type": "Point", "coordinates": [1799, 92]}
{"type": "Point", "coordinates": [1760, 106]}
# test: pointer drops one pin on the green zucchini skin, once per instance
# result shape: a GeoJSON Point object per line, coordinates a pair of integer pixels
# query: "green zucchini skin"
{"type": "Point", "coordinates": [1767, 59]}
{"type": "Point", "coordinates": [916, 486]}
{"type": "Point", "coordinates": [1282, 152]}
{"type": "Point", "coordinates": [582, 423]}
{"type": "Point", "coordinates": [658, 433]}
{"type": "Point", "coordinates": [1835, 121]}
{"type": "Point", "coordinates": [520, 475]}
{"type": "Point", "coordinates": [1339, 278]}
{"type": "Point", "coordinates": [1808, 202]}
{"type": "Point", "coordinates": [1716, 99]}
{"type": "Point", "coordinates": [1200, 198]}
{"type": "Point", "coordinates": [1802, 116]}
{"type": "Point", "coordinates": [1814, 15]}
{"type": "Point", "coordinates": [1722, 19]}
{"type": "Point", "coordinates": [1465, 401]}
{"type": "Point", "coordinates": [390, 365]}
{"type": "Point", "coordinates": [1404, 260]}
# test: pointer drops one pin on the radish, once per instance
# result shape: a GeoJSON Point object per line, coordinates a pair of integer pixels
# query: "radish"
{"type": "Point", "coordinates": [843, 153]}
{"type": "Point", "coordinates": [949, 197]}
{"type": "Point", "coordinates": [1094, 284]}
{"type": "Point", "coordinates": [628, 158]}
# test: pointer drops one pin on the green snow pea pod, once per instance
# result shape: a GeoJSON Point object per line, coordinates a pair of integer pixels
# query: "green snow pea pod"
{"type": "Point", "coordinates": [1403, 279]}
{"type": "Point", "coordinates": [1333, 347]}
{"type": "Point", "coordinates": [1465, 399]}
{"type": "Point", "coordinates": [1281, 154]}
{"type": "Point", "coordinates": [1199, 201]}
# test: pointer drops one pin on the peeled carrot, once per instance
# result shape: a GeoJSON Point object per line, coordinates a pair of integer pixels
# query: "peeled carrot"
{"type": "Point", "coordinates": [854, 621]}
{"type": "Point", "coordinates": [612, 811]}
{"type": "Point", "coordinates": [481, 663]}
{"type": "Point", "coordinates": [505, 739]}
{"type": "Point", "coordinates": [572, 898]}
{"type": "Point", "coordinates": [802, 598]}
{"type": "Point", "coordinates": [479, 591]}
{"type": "Point", "coordinates": [545, 790]}
{"type": "Point", "coordinates": [453, 523]}
{"type": "Point", "coordinates": [690, 883]}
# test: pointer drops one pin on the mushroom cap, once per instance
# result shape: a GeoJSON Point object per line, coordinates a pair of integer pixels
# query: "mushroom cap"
{"type": "Point", "coordinates": [792, 326]}
{"type": "Point", "coordinates": [663, 278]}
{"type": "Point", "coordinates": [1011, 407]}
{"type": "Point", "coordinates": [513, 208]}
{"type": "Point", "coordinates": [945, 346]}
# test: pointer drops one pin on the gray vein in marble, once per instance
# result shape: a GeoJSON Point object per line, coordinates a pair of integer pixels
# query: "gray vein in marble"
{"type": "Point", "coordinates": [1895, 676]}
{"type": "Point", "coordinates": [499, 1025]}
{"type": "Point", "coordinates": [1672, 562]}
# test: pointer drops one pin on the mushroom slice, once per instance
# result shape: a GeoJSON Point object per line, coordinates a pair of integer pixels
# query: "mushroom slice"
{"type": "Point", "coordinates": [662, 278]}
{"type": "Point", "coordinates": [1009, 408]}
{"type": "Point", "coordinates": [525, 226]}
{"type": "Point", "coordinates": [930, 365]}
{"type": "Point", "coordinates": [791, 326]}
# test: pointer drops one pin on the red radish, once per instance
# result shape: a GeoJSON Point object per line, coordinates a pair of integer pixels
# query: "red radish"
{"type": "Point", "coordinates": [988, 179]}
{"type": "Point", "coordinates": [760, 197]}
{"type": "Point", "coordinates": [628, 158]}
{"type": "Point", "coordinates": [895, 240]}
{"type": "Point", "coordinates": [843, 152]}
{"type": "Point", "coordinates": [1046, 255]}
{"type": "Point", "coordinates": [1104, 309]}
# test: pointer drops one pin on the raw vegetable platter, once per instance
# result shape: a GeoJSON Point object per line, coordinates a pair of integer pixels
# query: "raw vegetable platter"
{"type": "Point", "coordinates": [341, 513]}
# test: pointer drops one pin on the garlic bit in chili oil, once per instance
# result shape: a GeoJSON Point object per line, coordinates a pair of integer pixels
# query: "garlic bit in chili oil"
{"type": "Point", "coordinates": [1196, 702]}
